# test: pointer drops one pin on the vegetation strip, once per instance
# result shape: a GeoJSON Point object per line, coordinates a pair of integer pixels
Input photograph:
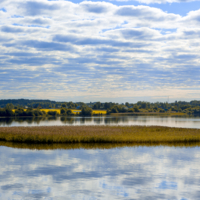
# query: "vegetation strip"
{"type": "Point", "coordinates": [99, 134]}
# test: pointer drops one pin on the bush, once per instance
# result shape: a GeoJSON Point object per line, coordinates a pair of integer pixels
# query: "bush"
{"type": "Point", "coordinates": [69, 112]}
{"type": "Point", "coordinates": [114, 110]}
{"type": "Point", "coordinates": [108, 111]}
{"type": "Point", "coordinates": [20, 112]}
{"type": "Point", "coordinates": [53, 113]}
{"type": "Point", "coordinates": [37, 113]}
{"type": "Point", "coordinates": [63, 111]}
{"type": "Point", "coordinates": [136, 109]}
{"type": "Point", "coordinates": [131, 110]}
{"type": "Point", "coordinates": [4, 112]}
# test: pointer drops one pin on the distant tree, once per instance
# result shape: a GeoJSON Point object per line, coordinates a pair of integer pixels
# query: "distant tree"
{"type": "Point", "coordinates": [53, 113]}
{"type": "Point", "coordinates": [69, 112]}
{"type": "Point", "coordinates": [9, 106]}
{"type": "Point", "coordinates": [161, 110]}
{"type": "Point", "coordinates": [29, 112]}
{"type": "Point", "coordinates": [97, 105]}
{"type": "Point", "coordinates": [108, 111]}
{"type": "Point", "coordinates": [38, 112]}
{"type": "Point", "coordinates": [86, 111]}
{"type": "Point", "coordinates": [114, 109]}
{"type": "Point", "coordinates": [9, 113]}
{"type": "Point", "coordinates": [63, 111]}
{"type": "Point", "coordinates": [131, 110]}
{"type": "Point", "coordinates": [63, 105]}
{"type": "Point", "coordinates": [127, 104]}
{"type": "Point", "coordinates": [20, 112]}
{"type": "Point", "coordinates": [136, 109]}
{"type": "Point", "coordinates": [4, 112]}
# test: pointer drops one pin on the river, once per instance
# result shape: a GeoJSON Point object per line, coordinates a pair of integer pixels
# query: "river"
{"type": "Point", "coordinates": [109, 171]}
{"type": "Point", "coordinates": [171, 121]}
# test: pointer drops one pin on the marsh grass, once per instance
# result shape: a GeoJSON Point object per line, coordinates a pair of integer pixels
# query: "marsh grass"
{"type": "Point", "coordinates": [100, 134]}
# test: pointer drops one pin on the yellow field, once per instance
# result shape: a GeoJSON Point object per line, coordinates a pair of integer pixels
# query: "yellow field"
{"type": "Point", "coordinates": [47, 110]}
{"type": "Point", "coordinates": [58, 110]}
{"type": "Point", "coordinates": [103, 112]}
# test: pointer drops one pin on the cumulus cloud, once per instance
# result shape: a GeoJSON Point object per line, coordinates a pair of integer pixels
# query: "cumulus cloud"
{"type": "Point", "coordinates": [98, 47]}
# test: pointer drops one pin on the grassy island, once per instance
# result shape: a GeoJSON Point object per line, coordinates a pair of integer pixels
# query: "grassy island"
{"type": "Point", "coordinates": [99, 134]}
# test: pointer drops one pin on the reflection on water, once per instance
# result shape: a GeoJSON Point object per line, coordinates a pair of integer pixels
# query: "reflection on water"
{"type": "Point", "coordinates": [55, 146]}
{"type": "Point", "coordinates": [139, 172]}
{"type": "Point", "coordinates": [187, 122]}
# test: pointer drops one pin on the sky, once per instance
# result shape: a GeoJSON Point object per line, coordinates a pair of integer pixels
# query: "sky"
{"type": "Point", "coordinates": [117, 50]}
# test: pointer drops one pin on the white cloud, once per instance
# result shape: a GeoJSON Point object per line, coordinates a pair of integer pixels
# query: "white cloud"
{"type": "Point", "coordinates": [158, 1]}
{"type": "Point", "coordinates": [97, 47]}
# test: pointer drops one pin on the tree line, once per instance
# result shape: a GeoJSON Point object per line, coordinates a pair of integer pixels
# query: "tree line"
{"type": "Point", "coordinates": [33, 107]}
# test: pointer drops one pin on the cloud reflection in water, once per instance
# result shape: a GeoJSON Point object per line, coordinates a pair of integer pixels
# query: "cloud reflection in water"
{"type": "Point", "coordinates": [116, 173]}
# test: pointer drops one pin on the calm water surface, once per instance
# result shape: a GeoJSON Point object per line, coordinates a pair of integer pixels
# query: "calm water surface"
{"type": "Point", "coordinates": [158, 172]}
{"type": "Point", "coordinates": [186, 122]}
{"type": "Point", "coordinates": [119, 173]}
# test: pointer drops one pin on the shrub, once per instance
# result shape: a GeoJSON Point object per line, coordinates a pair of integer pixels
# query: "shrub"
{"type": "Point", "coordinates": [53, 113]}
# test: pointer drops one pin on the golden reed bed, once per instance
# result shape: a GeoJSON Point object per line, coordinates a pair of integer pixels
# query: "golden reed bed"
{"type": "Point", "coordinates": [99, 134]}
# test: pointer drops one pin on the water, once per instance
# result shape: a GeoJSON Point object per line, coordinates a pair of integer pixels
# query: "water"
{"type": "Point", "coordinates": [158, 172]}
{"type": "Point", "coordinates": [109, 171]}
{"type": "Point", "coordinates": [185, 122]}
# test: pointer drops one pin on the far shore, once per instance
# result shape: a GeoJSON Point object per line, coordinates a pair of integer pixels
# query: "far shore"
{"type": "Point", "coordinates": [100, 134]}
{"type": "Point", "coordinates": [111, 114]}
{"type": "Point", "coordinates": [151, 113]}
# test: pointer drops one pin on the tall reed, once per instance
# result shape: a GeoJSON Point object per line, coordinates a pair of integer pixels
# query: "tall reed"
{"type": "Point", "coordinates": [99, 134]}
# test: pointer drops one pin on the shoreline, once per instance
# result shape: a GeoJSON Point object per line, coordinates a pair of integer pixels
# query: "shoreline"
{"type": "Point", "coordinates": [96, 115]}
{"type": "Point", "coordinates": [72, 146]}
{"type": "Point", "coordinates": [148, 135]}
{"type": "Point", "coordinates": [150, 114]}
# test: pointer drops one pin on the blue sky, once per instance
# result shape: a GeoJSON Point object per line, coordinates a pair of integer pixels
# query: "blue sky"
{"type": "Point", "coordinates": [100, 50]}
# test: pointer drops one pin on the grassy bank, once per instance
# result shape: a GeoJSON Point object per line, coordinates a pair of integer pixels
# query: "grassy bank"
{"type": "Point", "coordinates": [100, 134]}
{"type": "Point", "coordinates": [151, 113]}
